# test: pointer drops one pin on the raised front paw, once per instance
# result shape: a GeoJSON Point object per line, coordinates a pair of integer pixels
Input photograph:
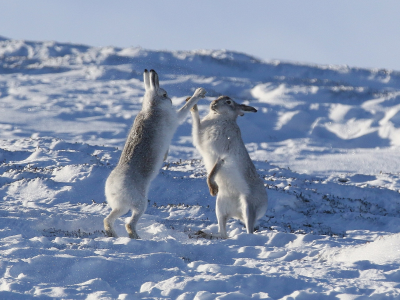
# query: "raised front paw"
{"type": "Point", "coordinates": [200, 92]}
{"type": "Point", "coordinates": [194, 108]}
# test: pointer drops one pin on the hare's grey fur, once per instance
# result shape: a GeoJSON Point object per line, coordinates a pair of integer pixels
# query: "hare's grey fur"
{"type": "Point", "coordinates": [232, 175]}
{"type": "Point", "coordinates": [145, 149]}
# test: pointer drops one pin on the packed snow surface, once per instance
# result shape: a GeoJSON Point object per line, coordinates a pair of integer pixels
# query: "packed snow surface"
{"type": "Point", "coordinates": [325, 139]}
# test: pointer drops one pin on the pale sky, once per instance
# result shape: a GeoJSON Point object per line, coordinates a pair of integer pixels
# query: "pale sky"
{"type": "Point", "coordinates": [360, 33]}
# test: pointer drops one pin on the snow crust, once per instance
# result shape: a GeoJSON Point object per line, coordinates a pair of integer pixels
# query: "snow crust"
{"type": "Point", "coordinates": [325, 140]}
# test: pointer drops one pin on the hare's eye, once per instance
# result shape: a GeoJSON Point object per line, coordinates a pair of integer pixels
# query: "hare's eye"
{"type": "Point", "coordinates": [229, 102]}
{"type": "Point", "coordinates": [165, 95]}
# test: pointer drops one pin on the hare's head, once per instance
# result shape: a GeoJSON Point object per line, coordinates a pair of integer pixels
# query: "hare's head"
{"type": "Point", "coordinates": [152, 87]}
{"type": "Point", "coordinates": [227, 107]}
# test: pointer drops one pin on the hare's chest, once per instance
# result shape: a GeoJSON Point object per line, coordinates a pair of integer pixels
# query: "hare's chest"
{"type": "Point", "coordinates": [214, 143]}
{"type": "Point", "coordinates": [168, 117]}
{"type": "Point", "coordinates": [164, 121]}
{"type": "Point", "coordinates": [220, 137]}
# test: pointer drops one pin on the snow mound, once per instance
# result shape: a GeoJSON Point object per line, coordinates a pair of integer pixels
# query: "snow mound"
{"type": "Point", "coordinates": [383, 250]}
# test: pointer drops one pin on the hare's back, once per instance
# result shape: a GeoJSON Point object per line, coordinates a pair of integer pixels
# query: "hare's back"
{"type": "Point", "coordinates": [147, 143]}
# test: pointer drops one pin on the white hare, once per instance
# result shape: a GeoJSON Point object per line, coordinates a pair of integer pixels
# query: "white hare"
{"type": "Point", "coordinates": [145, 149]}
{"type": "Point", "coordinates": [232, 175]}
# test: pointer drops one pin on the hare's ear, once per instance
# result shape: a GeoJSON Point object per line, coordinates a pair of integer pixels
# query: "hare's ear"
{"type": "Point", "coordinates": [146, 80]}
{"type": "Point", "coordinates": [157, 83]}
{"type": "Point", "coordinates": [245, 108]}
{"type": "Point", "coordinates": [154, 80]}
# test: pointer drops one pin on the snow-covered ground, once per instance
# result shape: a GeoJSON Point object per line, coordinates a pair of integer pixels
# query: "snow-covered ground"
{"type": "Point", "coordinates": [326, 140]}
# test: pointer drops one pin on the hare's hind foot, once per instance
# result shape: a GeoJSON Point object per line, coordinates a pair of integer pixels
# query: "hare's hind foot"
{"type": "Point", "coordinates": [110, 232]}
{"type": "Point", "coordinates": [132, 232]}
{"type": "Point", "coordinates": [110, 220]}
{"type": "Point", "coordinates": [130, 226]}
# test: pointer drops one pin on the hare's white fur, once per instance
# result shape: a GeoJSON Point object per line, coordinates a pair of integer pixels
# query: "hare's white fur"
{"type": "Point", "coordinates": [145, 149]}
{"type": "Point", "coordinates": [232, 175]}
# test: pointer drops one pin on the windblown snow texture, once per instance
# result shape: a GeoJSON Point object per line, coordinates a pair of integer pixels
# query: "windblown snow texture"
{"type": "Point", "coordinates": [325, 140]}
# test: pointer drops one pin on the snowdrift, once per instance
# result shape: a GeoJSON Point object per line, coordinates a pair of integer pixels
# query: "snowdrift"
{"type": "Point", "coordinates": [325, 140]}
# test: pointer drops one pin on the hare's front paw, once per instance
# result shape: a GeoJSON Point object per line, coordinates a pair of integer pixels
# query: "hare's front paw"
{"type": "Point", "coordinates": [200, 92]}
{"type": "Point", "coordinates": [212, 186]}
{"type": "Point", "coordinates": [194, 108]}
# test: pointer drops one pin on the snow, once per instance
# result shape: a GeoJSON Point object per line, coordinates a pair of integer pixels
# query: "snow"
{"type": "Point", "coordinates": [325, 139]}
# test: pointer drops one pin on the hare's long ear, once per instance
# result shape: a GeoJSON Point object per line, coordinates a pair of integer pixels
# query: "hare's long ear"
{"type": "Point", "coordinates": [146, 80]}
{"type": "Point", "coordinates": [245, 108]}
{"type": "Point", "coordinates": [157, 83]}
{"type": "Point", "coordinates": [154, 80]}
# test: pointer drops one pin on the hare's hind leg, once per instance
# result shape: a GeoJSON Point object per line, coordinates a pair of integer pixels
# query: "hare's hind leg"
{"type": "Point", "coordinates": [249, 216]}
{"type": "Point", "coordinates": [137, 212]}
{"type": "Point", "coordinates": [222, 217]}
{"type": "Point", "coordinates": [110, 219]}
{"type": "Point", "coordinates": [131, 225]}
